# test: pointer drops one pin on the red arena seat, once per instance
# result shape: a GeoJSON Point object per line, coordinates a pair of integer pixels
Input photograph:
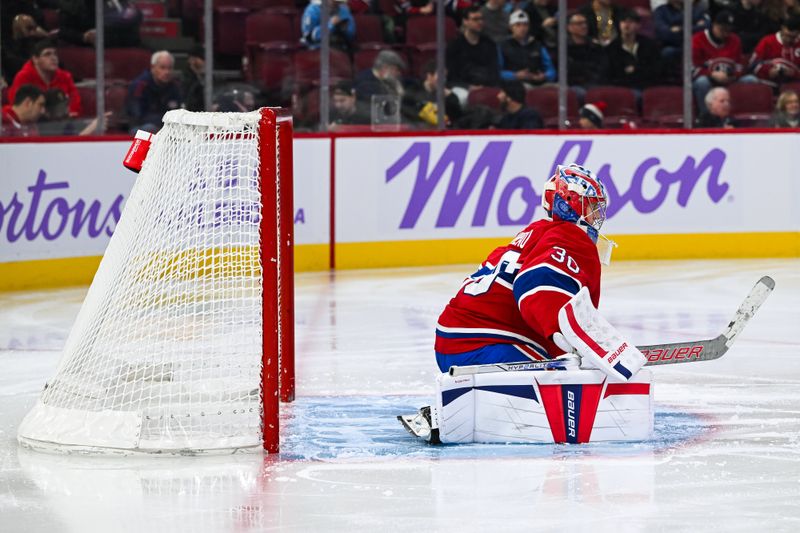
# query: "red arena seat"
{"type": "Point", "coordinates": [422, 29]}
{"type": "Point", "coordinates": [229, 26]}
{"type": "Point", "coordinates": [307, 66]}
{"type": "Point", "coordinates": [78, 60]}
{"type": "Point", "coordinates": [545, 101]}
{"type": "Point", "coordinates": [369, 29]}
{"type": "Point", "coordinates": [663, 105]}
{"type": "Point", "coordinates": [126, 63]}
{"type": "Point", "coordinates": [268, 25]}
{"type": "Point", "coordinates": [484, 96]}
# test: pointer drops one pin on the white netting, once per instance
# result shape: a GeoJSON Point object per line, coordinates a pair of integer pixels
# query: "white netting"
{"type": "Point", "coordinates": [165, 353]}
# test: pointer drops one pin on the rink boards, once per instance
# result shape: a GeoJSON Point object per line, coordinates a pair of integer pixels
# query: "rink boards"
{"type": "Point", "coordinates": [386, 200]}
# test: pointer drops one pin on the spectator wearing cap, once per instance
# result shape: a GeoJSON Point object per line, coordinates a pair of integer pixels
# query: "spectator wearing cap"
{"type": "Point", "coordinates": [42, 71]}
{"type": "Point", "coordinates": [153, 93]}
{"type": "Point", "coordinates": [716, 56]}
{"type": "Point", "coordinates": [777, 57]}
{"type": "Point", "coordinates": [634, 60]}
{"type": "Point", "coordinates": [587, 61]}
{"type": "Point", "coordinates": [495, 19]}
{"type": "Point", "coordinates": [341, 25]}
{"type": "Point", "coordinates": [472, 56]}
{"type": "Point", "coordinates": [522, 57]}
{"type": "Point", "coordinates": [383, 79]}
{"type": "Point", "coordinates": [193, 78]}
{"type": "Point", "coordinates": [516, 115]}
{"type": "Point", "coordinates": [591, 116]}
{"type": "Point", "coordinates": [602, 18]}
{"type": "Point", "coordinates": [20, 117]}
{"type": "Point", "coordinates": [345, 109]}
{"type": "Point", "coordinates": [668, 23]}
{"type": "Point", "coordinates": [717, 110]}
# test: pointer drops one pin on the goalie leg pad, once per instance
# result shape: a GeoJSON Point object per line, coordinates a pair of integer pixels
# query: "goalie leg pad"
{"type": "Point", "coordinates": [571, 406]}
{"type": "Point", "coordinates": [597, 341]}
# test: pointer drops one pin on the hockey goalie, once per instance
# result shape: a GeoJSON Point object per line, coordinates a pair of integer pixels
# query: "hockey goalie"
{"type": "Point", "coordinates": [535, 301]}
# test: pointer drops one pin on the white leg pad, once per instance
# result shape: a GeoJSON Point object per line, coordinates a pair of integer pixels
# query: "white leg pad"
{"type": "Point", "coordinates": [598, 342]}
{"type": "Point", "coordinates": [572, 406]}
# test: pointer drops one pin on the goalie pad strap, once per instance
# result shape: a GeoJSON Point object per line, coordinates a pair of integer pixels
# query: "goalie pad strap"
{"type": "Point", "coordinates": [590, 342]}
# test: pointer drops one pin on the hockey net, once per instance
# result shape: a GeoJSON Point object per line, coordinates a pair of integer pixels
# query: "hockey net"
{"type": "Point", "coordinates": [187, 328]}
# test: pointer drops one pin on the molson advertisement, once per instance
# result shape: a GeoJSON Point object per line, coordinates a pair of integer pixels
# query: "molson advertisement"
{"type": "Point", "coordinates": [412, 200]}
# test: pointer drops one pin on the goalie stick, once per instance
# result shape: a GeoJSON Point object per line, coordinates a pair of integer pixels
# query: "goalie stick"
{"type": "Point", "coordinates": [661, 354]}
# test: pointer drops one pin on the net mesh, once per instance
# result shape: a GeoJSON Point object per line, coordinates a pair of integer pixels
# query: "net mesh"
{"type": "Point", "coordinates": [169, 338]}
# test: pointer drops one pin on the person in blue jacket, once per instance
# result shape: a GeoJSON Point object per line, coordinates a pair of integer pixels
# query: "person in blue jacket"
{"type": "Point", "coordinates": [341, 25]}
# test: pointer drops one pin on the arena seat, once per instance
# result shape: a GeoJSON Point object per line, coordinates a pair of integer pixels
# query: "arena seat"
{"type": "Point", "coordinates": [752, 104]}
{"type": "Point", "coordinates": [545, 101]}
{"type": "Point", "coordinates": [369, 29]}
{"type": "Point", "coordinates": [484, 96]}
{"type": "Point", "coordinates": [307, 66]}
{"type": "Point", "coordinates": [271, 65]}
{"type": "Point", "coordinates": [229, 26]}
{"type": "Point", "coordinates": [419, 56]}
{"type": "Point", "coordinates": [620, 104]}
{"type": "Point", "coordinates": [365, 56]}
{"type": "Point", "coordinates": [663, 106]}
{"type": "Point", "coordinates": [422, 29]}
{"type": "Point", "coordinates": [271, 25]}
{"type": "Point", "coordinates": [126, 63]}
{"type": "Point", "coordinates": [78, 60]}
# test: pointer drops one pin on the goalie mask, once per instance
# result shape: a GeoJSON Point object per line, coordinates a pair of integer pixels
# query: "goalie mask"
{"type": "Point", "coordinates": [574, 194]}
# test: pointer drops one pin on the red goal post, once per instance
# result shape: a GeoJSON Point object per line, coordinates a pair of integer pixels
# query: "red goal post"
{"type": "Point", "coordinates": [185, 341]}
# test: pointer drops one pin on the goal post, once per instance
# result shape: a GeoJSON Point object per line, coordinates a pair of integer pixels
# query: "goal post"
{"type": "Point", "coordinates": [185, 341]}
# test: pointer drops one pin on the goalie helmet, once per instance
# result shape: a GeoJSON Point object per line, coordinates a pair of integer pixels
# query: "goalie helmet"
{"type": "Point", "coordinates": [574, 194]}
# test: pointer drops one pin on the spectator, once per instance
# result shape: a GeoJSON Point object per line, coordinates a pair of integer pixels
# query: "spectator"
{"type": "Point", "coordinates": [716, 56]}
{"type": "Point", "coordinates": [121, 18]}
{"type": "Point", "coordinates": [341, 25]}
{"type": "Point", "coordinates": [57, 120]}
{"type": "Point", "coordinates": [590, 116]}
{"type": "Point", "coordinates": [634, 60]}
{"type": "Point", "coordinates": [717, 112]}
{"type": "Point", "coordinates": [751, 23]}
{"type": "Point", "coordinates": [587, 61]}
{"type": "Point", "coordinates": [20, 117]}
{"type": "Point", "coordinates": [544, 25]}
{"type": "Point", "coordinates": [472, 56]}
{"type": "Point", "coordinates": [787, 111]}
{"type": "Point", "coordinates": [516, 116]}
{"type": "Point", "coordinates": [412, 8]}
{"type": "Point", "coordinates": [383, 79]}
{"type": "Point", "coordinates": [522, 57]}
{"type": "Point", "coordinates": [419, 101]}
{"type": "Point", "coordinates": [42, 70]}
{"type": "Point", "coordinates": [25, 32]}
{"type": "Point", "coordinates": [495, 20]}
{"type": "Point", "coordinates": [193, 78]}
{"type": "Point", "coordinates": [668, 22]}
{"type": "Point", "coordinates": [153, 93]}
{"type": "Point", "coordinates": [235, 99]}
{"type": "Point", "coordinates": [777, 57]}
{"type": "Point", "coordinates": [345, 109]}
{"type": "Point", "coordinates": [602, 18]}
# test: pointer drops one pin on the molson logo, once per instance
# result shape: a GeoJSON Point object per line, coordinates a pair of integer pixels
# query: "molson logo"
{"type": "Point", "coordinates": [464, 181]}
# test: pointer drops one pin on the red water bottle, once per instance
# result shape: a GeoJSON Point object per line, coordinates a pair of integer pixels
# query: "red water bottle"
{"type": "Point", "coordinates": [137, 153]}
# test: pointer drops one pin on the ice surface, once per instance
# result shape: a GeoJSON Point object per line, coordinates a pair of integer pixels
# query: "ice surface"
{"type": "Point", "coordinates": [726, 455]}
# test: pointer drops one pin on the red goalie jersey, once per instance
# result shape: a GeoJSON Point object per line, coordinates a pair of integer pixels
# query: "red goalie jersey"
{"type": "Point", "coordinates": [515, 296]}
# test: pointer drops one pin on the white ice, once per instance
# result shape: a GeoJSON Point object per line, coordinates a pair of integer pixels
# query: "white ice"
{"type": "Point", "coordinates": [726, 456]}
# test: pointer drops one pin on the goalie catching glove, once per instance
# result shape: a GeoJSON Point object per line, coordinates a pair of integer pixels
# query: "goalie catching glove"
{"type": "Point", "coordinates": [599, 343]}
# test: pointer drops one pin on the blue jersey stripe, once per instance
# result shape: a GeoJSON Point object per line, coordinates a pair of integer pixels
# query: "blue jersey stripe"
{"type": "Point", "coordinates": [543, 276]}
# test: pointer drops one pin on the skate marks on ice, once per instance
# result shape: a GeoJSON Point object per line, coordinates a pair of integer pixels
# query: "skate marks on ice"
{"type": "Point", "coordinates": [343, 427]}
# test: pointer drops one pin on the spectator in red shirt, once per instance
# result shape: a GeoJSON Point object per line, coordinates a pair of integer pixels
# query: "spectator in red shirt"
{"type": "Point", "coordinates": [19, 119]}
{"type": "Point", "coordinates": [777, 56]}
{"type": "Point", "coordinates": [716, 56]}
{"type": "Point", "coordinates": [42, 71]}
